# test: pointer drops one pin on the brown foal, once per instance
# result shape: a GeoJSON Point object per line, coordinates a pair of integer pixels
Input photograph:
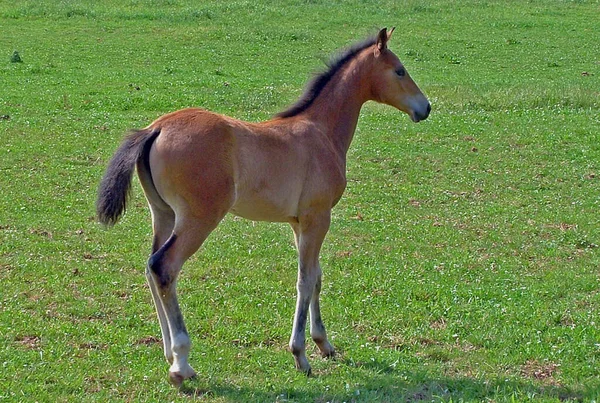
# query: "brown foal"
{"type": "Point", "coordinates": [196, 166]}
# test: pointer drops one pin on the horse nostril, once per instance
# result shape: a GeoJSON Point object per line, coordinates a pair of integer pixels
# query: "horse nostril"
{"type": "Point", "coordinates": [426, 114]}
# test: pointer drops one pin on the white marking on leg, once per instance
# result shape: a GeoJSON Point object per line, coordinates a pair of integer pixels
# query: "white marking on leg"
{"type": "Point", "coordinates": [180, 341]}
{"type": "Point", "coordinates": [162, 318]}
{"type": "Point", "coordinates": [181, 346]}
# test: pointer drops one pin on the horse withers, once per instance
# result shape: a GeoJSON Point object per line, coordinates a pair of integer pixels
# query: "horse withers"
{"type": "Point", "coordinates": [195, 166]}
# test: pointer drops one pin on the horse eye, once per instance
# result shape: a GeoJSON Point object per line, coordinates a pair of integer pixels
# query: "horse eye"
{"type": "Point", "coordinates": [401, 72]}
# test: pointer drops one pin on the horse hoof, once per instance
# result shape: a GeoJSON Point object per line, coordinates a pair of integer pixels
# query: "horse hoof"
{"type": "Point", "coordinates": [327, 350]}
{"type": "Point", "coordinates": [302, 364]}
{"type": "Point", "coordinates": [176, 378]}
{"type": "Point", "coordinates": [305, 371]}
{"type": "Point", "coordinates": [328, 354]}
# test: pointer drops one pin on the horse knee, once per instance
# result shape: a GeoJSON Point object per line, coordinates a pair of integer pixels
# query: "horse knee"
{"type": "Point", "coordinates": [306, 285]}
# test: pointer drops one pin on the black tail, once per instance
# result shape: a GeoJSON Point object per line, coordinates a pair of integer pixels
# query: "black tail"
{"type": "Point", "coordinates": [116, 184]}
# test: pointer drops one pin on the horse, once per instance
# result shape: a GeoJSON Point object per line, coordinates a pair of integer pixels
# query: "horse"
{"type": "Point", "coordinates": [195, 166]}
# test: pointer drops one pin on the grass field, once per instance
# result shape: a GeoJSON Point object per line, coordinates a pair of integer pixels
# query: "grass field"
{"type": "Point", "coordinates": [463, 263]}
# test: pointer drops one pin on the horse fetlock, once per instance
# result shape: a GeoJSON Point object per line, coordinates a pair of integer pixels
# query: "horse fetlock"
{"type": "Point", "coordinates": [181, 344]}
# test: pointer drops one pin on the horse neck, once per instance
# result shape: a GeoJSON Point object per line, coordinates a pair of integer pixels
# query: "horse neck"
{"type": "Point", "coordinates": [338, 106]}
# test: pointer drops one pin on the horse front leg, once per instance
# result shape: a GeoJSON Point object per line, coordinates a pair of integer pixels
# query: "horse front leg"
{"type": "Point", "coordinates": [317, 328]}
{"type": "Point", "coordinates": [309, 233]}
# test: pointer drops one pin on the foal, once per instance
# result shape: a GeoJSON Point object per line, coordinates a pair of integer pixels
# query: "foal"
{"type": "Point", "coordinates": [196, 166]}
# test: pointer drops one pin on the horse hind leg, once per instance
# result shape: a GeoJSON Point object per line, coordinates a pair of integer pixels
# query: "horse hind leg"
{"type": "Point", "coordinates": [188, 200]}
{"type": "Point", "coordinates": [164, 267]}
{"type": "Point", "coordinates": [162, 316]}
{"type": "Point", "coordinates": [163, 221]}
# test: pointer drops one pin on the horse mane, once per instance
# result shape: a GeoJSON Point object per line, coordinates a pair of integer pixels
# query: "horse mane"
{"type": "Point", "coordinates": [318, 83]}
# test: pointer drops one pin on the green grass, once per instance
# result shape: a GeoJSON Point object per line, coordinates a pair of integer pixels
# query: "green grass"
{"type": "Point", "coordinates": [462, 263]}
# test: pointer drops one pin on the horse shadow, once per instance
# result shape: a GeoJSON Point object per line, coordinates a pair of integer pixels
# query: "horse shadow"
{"type": "Point", "coordinates": [380, 381]}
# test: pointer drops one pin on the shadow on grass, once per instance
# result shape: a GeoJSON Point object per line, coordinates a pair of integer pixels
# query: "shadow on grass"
{"type": "Point", "coordinates": [420, 386]}
{"type": "Point", "coordinates": [377, 381]}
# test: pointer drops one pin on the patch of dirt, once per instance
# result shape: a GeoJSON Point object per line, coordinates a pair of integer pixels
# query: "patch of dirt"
{"type": "Point", "coordinates": [561, 226]}
{"type": "Point", "coordinates": [439, 324]}
{"type": "Point", "coordinates": [93, 346]}
{"type": "Point", "coordinates": [41, 232]}
{"type": "Point", "coordinates": [4, 267]}
{"type": "Point", "coordinates": [343, 254]}
{"type": "Point", "coordinates": [149, 340]}
{"type": "Point", "coordinates": [542, 371]}
{"type": "Point", "coordinates": [30, 342]}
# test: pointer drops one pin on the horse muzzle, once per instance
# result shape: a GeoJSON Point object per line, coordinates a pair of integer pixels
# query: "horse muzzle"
{"type": "Point", "coordinates": [420, 113]}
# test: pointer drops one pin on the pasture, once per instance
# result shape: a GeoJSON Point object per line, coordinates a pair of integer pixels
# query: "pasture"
{"type": "Point", "coordinates": [462, 264]}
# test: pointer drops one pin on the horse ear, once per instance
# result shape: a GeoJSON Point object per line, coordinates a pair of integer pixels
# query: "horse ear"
{"type": "Point", "coordinates": [389, 34]}
{"type": "Point", "coordinates": [382, 39]}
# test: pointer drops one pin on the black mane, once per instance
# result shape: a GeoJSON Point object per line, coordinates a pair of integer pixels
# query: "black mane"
{"type": "Point", "coordinates": [316, 85]}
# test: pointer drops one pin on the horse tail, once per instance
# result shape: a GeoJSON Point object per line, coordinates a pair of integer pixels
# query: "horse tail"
{"type": "Point", "coordinates": [115, 186]}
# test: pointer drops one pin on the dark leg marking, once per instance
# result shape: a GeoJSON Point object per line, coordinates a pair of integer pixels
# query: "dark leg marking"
{"type": "Point", "coordinates": [301, 320]}
{"type": "Point", "coordinates": [156, 262]}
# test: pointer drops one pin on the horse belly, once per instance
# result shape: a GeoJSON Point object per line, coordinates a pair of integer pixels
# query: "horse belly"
{"type": "Point", "coordinates": [266, 206]}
